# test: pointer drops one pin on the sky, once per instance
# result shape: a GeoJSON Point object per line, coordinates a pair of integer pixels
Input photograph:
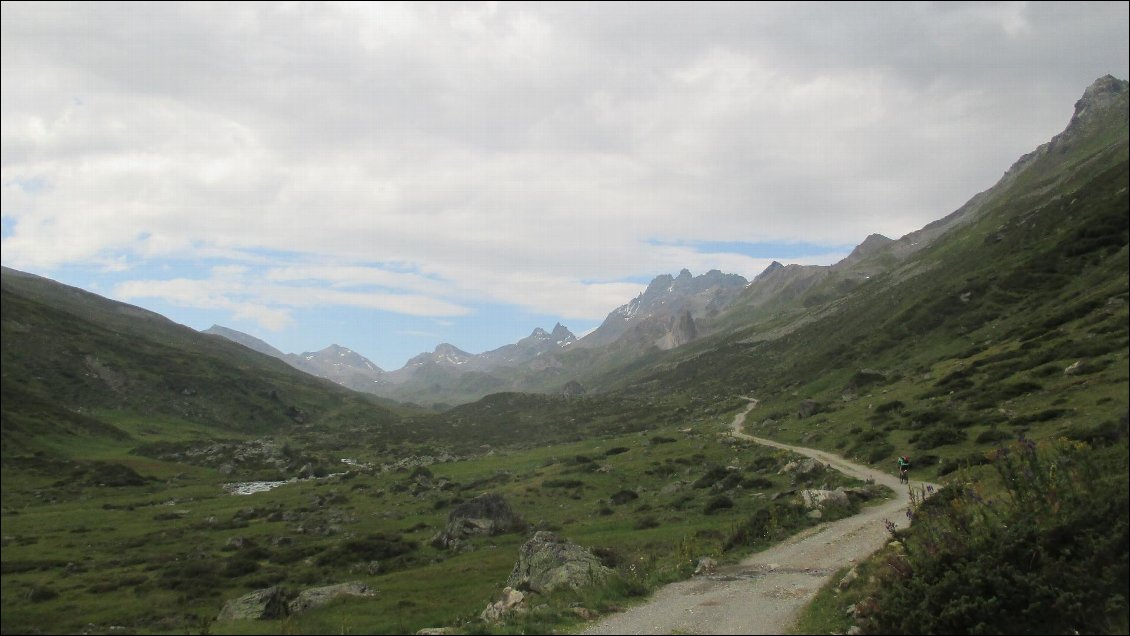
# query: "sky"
{"type": "Point", "coordinates": [390, 176]}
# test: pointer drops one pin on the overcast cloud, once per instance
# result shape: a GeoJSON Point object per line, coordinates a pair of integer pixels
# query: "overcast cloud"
{"type": "Point", "coordinates": [425, 159]}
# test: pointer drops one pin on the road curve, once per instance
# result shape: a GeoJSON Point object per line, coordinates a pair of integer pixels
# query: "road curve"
{"type": "Point", "coordinates": [765, 593]}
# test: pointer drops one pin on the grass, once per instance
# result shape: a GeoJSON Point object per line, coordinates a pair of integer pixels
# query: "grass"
{"type": "Point", "coordinates": [161, 549]}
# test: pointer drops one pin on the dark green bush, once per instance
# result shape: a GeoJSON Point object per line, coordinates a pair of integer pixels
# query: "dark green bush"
{"type": "Point", "coordinates": [713, 475]}
{"type": "Point", "coordinates": [939, 437]}
{"type": "Point", "coordinates": [1050, 556]}
{"type": "Point", "coordinates": [623, 497]}
{"type": "Point", "coordinates": [721, 502]}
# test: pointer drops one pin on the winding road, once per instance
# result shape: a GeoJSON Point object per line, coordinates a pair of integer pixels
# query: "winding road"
{"type": "Point", "coordinates": [765, 593]}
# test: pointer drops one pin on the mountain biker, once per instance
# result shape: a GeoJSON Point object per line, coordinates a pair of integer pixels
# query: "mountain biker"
{"type": "Point", "coordinates": [904, 469]}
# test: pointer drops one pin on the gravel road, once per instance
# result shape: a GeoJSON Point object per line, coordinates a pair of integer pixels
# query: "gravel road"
{"type": "Point", "coordinates": [765, 593]}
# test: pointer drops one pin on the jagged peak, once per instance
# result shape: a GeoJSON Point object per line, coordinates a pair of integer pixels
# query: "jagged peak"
{"type": "Point", "coordinates": [774, 266]}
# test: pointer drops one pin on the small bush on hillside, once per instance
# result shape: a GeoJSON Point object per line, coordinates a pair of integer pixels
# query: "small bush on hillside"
{"type": "Point", "coordinates": [623, 497]}
{"type": "Point", "coordinates": [712, 476]}
{"type": "Point", "coordinates": [721, 502]}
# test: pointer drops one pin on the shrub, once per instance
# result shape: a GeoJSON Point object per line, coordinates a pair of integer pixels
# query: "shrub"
{"type": "Point", "coordinates": [712, 476]}
{"type": "Point", "coordinates": [940, 437]}
{"type": "Point", "coordinates": [624, 496]}
{"type": "Point", "coordinates": [644, 523]}
{"type": "Point", "coordinates": [1050, 556]}
{"type": "Point", "coordinates": [721, 502]}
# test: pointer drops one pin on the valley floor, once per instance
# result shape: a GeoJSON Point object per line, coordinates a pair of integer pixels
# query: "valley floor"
{"type": "Point", "coordinates": [765, 593]}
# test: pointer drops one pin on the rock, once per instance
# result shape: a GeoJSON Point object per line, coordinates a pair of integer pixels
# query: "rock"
{"type": "Point", "coordinates": [1078, 368]}
{"type": "Point", "coordinates": [371, 568]}
{"type": "Point", "coordinates": [435, 631]}
{"type": "Point", "coordinates": [318, 596]}
{"type": "Point", "coordinates": [819, 499]}
{"type": "Point", "coordinates": [848, 579]}
{"type": "Point", "coordinates": [705, 567]}
{"type": "Point", "coordinates": [547, 562]}
{"type": "Point", "coordinates": [584, 613]}
{"type": "Point", "coordinates": [485, 515]}
{"type": "Point", "coordinates": [573, 388]}
{"type": "Point", "coordinates": [511, 601]}
{"type": "Point", "coordinates": [807, 408]}
{"type": "Point", "coordinates": [802, 467]}
{"type": "Point", "coordinates": [239, 543]}
{"type": "Point", "coordinates": [266, 603]}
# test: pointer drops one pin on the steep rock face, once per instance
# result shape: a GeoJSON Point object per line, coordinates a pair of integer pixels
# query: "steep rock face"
{"type": "Point", "coordinates": [664, 302]}
{"type": "Point", "coordinates": [682, 331]}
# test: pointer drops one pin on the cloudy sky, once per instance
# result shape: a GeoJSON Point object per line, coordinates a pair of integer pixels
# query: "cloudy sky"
{"type": "Point", "coordinates": [391, 176]}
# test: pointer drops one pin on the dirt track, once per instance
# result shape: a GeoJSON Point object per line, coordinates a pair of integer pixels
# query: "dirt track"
{"type": "Point", "coordinates": [765, 593]}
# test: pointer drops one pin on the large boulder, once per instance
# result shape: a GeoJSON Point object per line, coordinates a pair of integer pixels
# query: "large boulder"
{"type": "Point", "coordinates": [318, 596]}
{"type": "Point", "coordinates": [266, 603]}
{"type": "Point", "coordinates": [485, 515]}
{"type": "Point", "coordinates": [820, 499]}
{"type": "Point", "coordinates": [547, 562]}
{"type": "Point", "coordinates": [804, 466]}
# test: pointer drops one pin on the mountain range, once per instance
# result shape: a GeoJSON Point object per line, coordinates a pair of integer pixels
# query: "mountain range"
{"type": "Point", "coordinates": [1008, 319]}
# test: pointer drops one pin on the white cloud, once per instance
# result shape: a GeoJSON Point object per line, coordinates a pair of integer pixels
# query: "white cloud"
{"type": "Point", "coordinates": [537, 155]}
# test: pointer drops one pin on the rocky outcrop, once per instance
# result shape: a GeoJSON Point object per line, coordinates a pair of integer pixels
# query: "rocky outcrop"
{"type": "Point", "coordinates": [274, 602]}
{"type": "Point", "coordinates": [548, 562]}
{"type": "Point", "coordinates": [266, 603]}
{"type": "Point", "coordinates": [318, 596]}
{"type": "Point", "coordinates": [485, 515]}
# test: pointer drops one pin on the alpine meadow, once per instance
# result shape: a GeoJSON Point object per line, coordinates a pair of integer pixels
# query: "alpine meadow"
{"type": "Point", "coordinates": [160, 479]}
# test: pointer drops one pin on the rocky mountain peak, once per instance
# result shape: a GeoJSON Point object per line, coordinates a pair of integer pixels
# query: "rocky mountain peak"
{"type": "Point", "coordinates": [561, 333]}
{"type": "Point", "coordinates": [774, 266]}
{"type": "Point", "coordinates": [1102, 94]}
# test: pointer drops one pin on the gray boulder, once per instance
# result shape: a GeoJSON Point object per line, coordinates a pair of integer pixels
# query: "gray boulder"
{"type": "Point", "coordinates": [485, 515]}
{"type": "Point", "coordinates": [547, 562]}
{"type": "Point", "coordinates": [512, 601]}
{"type": "Point", "coordinates": [318, 596]}
{"type": "Point", "coordinates": [807, 408]}
{"type": "Point", "coordinates": [266, 603]}
{"type": "Point", "coordinates": [820, 499]}
{"type": "Point", "coordinates": [802, 467]}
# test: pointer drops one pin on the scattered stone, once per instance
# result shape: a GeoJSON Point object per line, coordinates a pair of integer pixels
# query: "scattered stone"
{"type": "Point", "coordinates": [1078, 368]}
{"type": "Point", "coordinates": [512, 600]}
{"type": "Point", "coordinates": [848, 579]}
{"type": "Point", "coordinates": [706, 566]}
{"type": "Point", "coordinates": [584, 613]}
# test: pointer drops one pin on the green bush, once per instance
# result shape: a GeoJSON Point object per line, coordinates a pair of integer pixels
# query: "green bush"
{"type": "Point", "coordinates": [1049, 556]}
{"type": "Point", "coordinates": [721, 502]}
